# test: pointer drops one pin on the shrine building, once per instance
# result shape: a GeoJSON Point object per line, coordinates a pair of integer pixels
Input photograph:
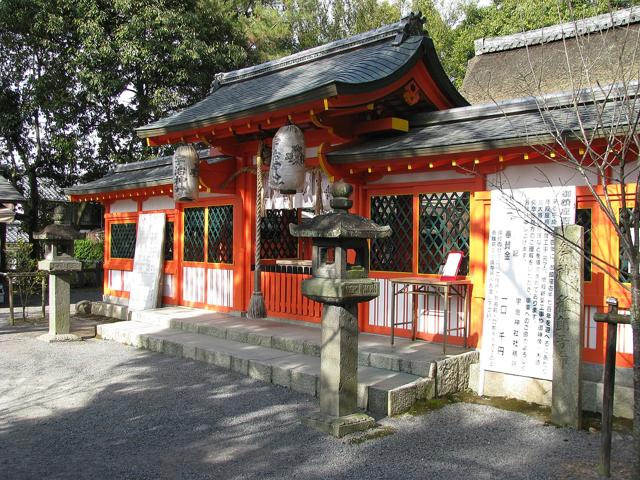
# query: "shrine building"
{"type": "Point", "coordinates": [377, 110]}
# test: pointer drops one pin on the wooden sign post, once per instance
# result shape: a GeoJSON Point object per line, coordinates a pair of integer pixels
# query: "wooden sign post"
{"type": "Point", "coordinates": [612, 319]}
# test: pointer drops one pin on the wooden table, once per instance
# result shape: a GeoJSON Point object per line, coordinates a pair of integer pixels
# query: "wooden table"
{"type": "Point", "coordinates": [443, 288]}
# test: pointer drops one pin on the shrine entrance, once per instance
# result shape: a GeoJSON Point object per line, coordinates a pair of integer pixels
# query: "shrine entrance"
{"type": "Point", "coordinates": [211, 249]}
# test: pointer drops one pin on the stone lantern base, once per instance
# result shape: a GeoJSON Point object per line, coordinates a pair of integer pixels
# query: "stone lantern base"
{"type": "Point", "coordinates": [60, 337]}
{"type": "Point", "coordinates": [339, 426]}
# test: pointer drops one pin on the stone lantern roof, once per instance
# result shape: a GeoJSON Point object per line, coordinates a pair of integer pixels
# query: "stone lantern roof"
{"type": "Point", "coordinates": [340, 223]}
{"type": "Point", "coordinates": [58, 230]}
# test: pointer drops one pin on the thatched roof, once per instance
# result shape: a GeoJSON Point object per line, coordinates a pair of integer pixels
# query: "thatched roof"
{"type": "Point", "coordinates": [598, 50]}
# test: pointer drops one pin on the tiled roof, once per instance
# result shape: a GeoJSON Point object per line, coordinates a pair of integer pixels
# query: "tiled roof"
{"type": "Point", "coordinates": [553, 33]}
{"type": "Point", "coordinates": [8, 193]}
{"type": "Point", "coordinates": [149, 173]}
{"type": "Point", "coordinates": [489, 126]}
{"type": "Point", "coordinates": [361, 63]}
{"type": "Point", "coordinates": [47, 188]}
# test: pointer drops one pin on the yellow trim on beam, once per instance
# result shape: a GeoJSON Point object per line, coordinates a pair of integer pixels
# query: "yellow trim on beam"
{"type": "Point", "coordinates": [322, 161]}
{"type": "Point", "coordinates": [399, 124]}
{"type": "Point", "coordinates": [326, 103]}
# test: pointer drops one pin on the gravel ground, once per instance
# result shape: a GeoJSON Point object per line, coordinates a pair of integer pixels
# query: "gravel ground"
{"type": "Point", "coordinates": [98, 409]}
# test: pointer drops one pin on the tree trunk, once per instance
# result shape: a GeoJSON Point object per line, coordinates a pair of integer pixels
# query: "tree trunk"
{"type": "Point", "coordinates": [34, 210]}
{"type": "Point", "coordinates": [635, 327]}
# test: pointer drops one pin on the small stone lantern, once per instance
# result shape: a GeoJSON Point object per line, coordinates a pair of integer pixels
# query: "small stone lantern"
{"type": "Point", "coordinates": [59, 262]}
{"type": "Point", "coordinates": [340, 286]}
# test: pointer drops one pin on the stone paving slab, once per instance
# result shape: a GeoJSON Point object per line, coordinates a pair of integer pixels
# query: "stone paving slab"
{"type": "Point", "coordinates": [377, 388]}
{"type": "Point", "coordinates": [416, 358]}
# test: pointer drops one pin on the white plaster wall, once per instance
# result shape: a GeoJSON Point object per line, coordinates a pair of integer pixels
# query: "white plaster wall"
{"type": "Point", "coordinates": [121, 206]}
{"type": "Point", "coordinates": [163, 202]}
{"type": "Point", "coordinates": [420, 177]}
{"type": "Point", "coordinates": [540, 175]}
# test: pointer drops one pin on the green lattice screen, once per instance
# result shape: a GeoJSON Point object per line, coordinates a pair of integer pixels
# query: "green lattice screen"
{"type": "Point", "coordinates": [220, 234]}
{"type": "Point", "coordinates": [123, 240]}
{"type": "Point", "coordinates": [444, 226]}
{"type": "Point", "coordinates": [395, 253]}
{"type": "Point", "coordinates": [277, 242]}
{"type": "Point", "coordinates": [194, 234]}
{"type": "Point", "coordinates": [168, 241]}
{"type": "Point", "coordinates": [583, 218]}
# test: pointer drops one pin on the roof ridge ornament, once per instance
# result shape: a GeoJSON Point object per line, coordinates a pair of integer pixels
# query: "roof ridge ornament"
{"type": "Point", "coordinates": [411, 25]}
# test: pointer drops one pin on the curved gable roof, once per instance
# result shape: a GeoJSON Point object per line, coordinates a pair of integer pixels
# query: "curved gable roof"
{"type": "Point", "coordinates": [360, 64]}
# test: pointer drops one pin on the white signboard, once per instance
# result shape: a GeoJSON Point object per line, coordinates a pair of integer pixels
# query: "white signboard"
{"type": "Point", "coordinates": [146, 278]}
{"type": "Point", "coordinates": [519, 302]}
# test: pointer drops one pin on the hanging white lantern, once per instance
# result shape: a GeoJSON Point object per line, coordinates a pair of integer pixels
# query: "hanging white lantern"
{"type": "Point", "coordinates": [286, 172]}
{"type": "Point", "coordinates": [186, 176]}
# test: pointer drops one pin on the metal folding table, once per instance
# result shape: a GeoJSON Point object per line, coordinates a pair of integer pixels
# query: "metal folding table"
{"type": "Point", "coordinates": [443, 288]}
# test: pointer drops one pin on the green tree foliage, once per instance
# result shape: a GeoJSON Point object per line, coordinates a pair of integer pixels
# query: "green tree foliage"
{"type": "Point", "coordinates": [27, 281]}
{"type": "Point", "coordinates": [77, 76]}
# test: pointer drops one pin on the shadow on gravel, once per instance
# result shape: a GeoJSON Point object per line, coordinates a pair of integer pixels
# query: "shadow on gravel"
{"type": "Point", "coordinates": [160, 417]}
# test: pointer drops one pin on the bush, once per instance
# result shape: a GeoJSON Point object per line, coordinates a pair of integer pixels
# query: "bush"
{"type": "Point", "coordinates": [88, 250]}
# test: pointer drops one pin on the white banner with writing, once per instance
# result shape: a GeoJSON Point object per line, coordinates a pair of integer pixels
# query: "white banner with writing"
{"type": "Point", "coordinates": [519, 287]}
{"type": "Point", "coordinates": [148, 260]}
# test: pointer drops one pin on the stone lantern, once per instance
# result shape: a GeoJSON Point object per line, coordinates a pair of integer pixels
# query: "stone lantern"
{"type": "Point", "coordinates": [339, 285]}
{"type": "Point", "coordinates": [59, 262]}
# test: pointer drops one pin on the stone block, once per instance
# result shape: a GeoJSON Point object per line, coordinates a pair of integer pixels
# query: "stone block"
{"type": "Point", "coordinates": [259, 339]}
{"type": "Point", "coordinates": [303, 382]}
{"type": "Point", "coordinates": [474, 377]}
{"type": "Point", "coordinates": [339, 426]}
{"type": "Point", "coordinates": [259, 371]}
{"type": "Point", "coordinates": [111, 310]}
{"type": "Point", "coordinates": [421, 369]}
{"type": "Point", "coordinates": [532, 390]}
{"type": "Point", "coordinates": [237, 335]}
{"type": "Point", "coordinates": [153, 343]}
{"type": "Point", "coordinates": [363, 358]}
{"type": "Point", "coordinates": [377, 402]}
{"type": "Point", "coordinates": [287, 344]}
{"type": "Point", "coordinates": [311, 349]}
{"type": "Point", "coordinates": [386, 362]}
{"type": "Point", "coordinates": [172, 348]}
{"type": "Point", "coordinates": [61, 337]}
{"type": "Point", "coordinates": [281, 376]}
{"type": "Point", "coordinates": [622, 399]}
{"type": "Point", "coordinates": [452, 373]}
{"type": "Point", "coordinates": [425, 388]}
{"type": "Point", "coordinates": [212, 330]}
{"type": "Point", "coordinates": [401, 399]}
{"type": "Point", "coordinates": [240, 365]}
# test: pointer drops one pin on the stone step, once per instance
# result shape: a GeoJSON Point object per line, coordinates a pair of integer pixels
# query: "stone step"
{"type": "Point", "coordinates": [381, 392]}
{"type": "Point", "coordinates": [281, 336]}
{"type": "Point", "coordinates": [107, 309]}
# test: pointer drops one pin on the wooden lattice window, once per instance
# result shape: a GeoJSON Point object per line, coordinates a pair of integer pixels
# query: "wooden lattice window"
{"type": "Point", "coordinates": [123, 240]}
{"type": "Point", "coordinates": [220, 234]}
{"type": "Point", "coordinates": [276, 240]}
{"type": "Point", "coordinates": [194, 234]}
{"type": "Point", "coordinates": [444, 226]}
{"type": "Point", "coordinates": [395, 253]}
{"type": "Point", "coordinates": [583, 218]}
{"type": "Point", "coordinates": [168, 241]}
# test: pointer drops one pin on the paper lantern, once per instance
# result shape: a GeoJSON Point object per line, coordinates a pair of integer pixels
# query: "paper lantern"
{"type": "Point", "coordinates": [186, 176]}
{"type": "Point", "coordinates": [286, 172]}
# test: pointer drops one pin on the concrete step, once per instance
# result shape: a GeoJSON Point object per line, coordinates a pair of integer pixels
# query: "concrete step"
{"type": "Point", "coordinates": [381, 392]}
{"type": "Point", "coordinates": [302, 339]}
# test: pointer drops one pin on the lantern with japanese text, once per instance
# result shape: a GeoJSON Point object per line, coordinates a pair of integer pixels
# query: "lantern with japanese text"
{"type": "Point", "coordinates": [185, 174]}
{"type": "Point", "coordinates": [286, 172]}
